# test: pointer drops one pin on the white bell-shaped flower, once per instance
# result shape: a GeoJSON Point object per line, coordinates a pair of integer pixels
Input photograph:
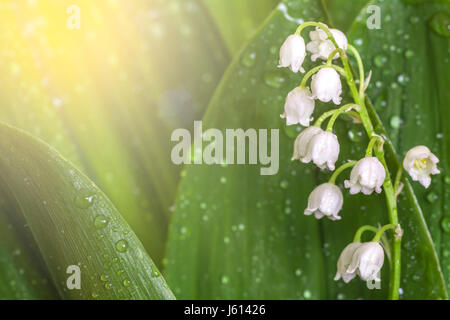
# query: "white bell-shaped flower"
{"type": "Point", "coordinates": [420, 164]}
{"type": "Point", "coordinates": [344, 261]}
{"type": "Point", "coordinates": [325, 200]}
{"type": "Point", "coordinates": [299, 107]}
{"type": "Point", "coordinates": [367, 261]}
{"type": "Point", "coordinates": [321, 48]}
{"type": "Point", "coordinates": [302, 142]}
{"type": "Point", "coordinates": [293, 53]}
{"type": "Point", "coordinates": [323, 150]}
{"type": "Point", "coordinates": [367, 175]}
{"type": "Point", "coordinates": [326, 86]}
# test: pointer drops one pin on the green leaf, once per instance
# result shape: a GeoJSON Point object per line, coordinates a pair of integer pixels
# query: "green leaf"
{"type": "Point", "coordinates": [107, 96]}
{"type": "Point", "coordinates": [62, 219]}
{"type": "Point", "coordinates": [246, 234]}
{"type": "Point", "coordinates": [237, 20]}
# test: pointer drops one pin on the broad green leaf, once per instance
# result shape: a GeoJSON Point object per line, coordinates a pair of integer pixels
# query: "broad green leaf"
{"type": "Point", "coordinates": [108, 95]}
{"type": "Point", "coordinates": [246, 233]}
{"type": "Point", "coordinates": [237, 20]}
{"type": "Point", "coordinates": [62, 219]}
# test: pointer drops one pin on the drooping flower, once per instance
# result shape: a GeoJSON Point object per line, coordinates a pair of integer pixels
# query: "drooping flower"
{"type": "Point", "coordinates": [420, 164]}
{"type": "Point", "coordinates": [366, 176]}
{"type": "Point", "coordinates": [367, 261]}
{"type": "Point", "coordinates": [293, 53]}
{"type": "Point", "coordinates": [323, 150]}
{"type": "Point", "coordinates": [344, 261]}
{"type": "Point", "coordinates": [299, 107]}
{"type": "Point", "coordinates": [325, 200]}
{"type": "Point", "coordinates": [320, 147]}
{"type": "Point", "coordinates": [326, 86]}
{"type": "Point", "coordinates": [321, 47]}
{"type": "Point", "coordinates": [302, 142]}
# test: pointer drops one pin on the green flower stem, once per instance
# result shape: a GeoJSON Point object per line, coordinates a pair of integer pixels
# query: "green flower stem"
{"type": "Point", "coordinates": [398, 178]}
{"type": "Point", "coordinates": [337, 113]}
{"type": "Point", "coordinates": [371, 145]}
{"type": "Point", "coordinates": [360, 67]}
{"type": "Point", "coordinates": [340, 169]}
{"type": "Point", "coordinates": [315, 69]}
{"type": "Point", "coordinates": [361, 230]}
{"type": "Point", "coordinates": [382, 230]}
{"type": "Point", "coordinates": [391, 200]}
{"type": "Point", "coordinates": [330, 113]}
{"type": "Point", "coordinates": [333, 53]}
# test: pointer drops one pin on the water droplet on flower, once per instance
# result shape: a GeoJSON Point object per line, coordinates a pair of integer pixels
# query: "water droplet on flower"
{"type": "Point", "coordinates": [122, 245]}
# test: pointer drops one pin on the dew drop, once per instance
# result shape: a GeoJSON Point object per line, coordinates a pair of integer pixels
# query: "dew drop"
{"type": "Point", "coordinates": [409, 54]}
{"type": "Point", "coordinates": [298, 272]}
{"type": "Point", "coordinates": [396, 122]}
{"type": "Point", "coordinates": [380, 60]}
{"type": "Point", "coordinates": [224, 280]}
{"type": "Point", "coordinates": [445, 224]}
{"type": "Point", "coordinates": [274, 79]}
{"type": "Point", "coordinates": [108, 286]}
{"type": "Point", "coordinates": [223, 180]}
{"type": "Point", "coordinates": [101, 221]}
{"type": "Point", "coordinates": [307, 294]}
{"type": "Point", "coordinates": [355, 135]}
{"type": "Point", "coordinates": [84, 200]}
{"type": "Point", "coordinates": [104, 277]}
{"type": "Point", "coordinates": [122, 245]}
{"type": "Point", "coordinates": [432, 197]}
{"type": "Point", "coordinates": [249, 59]}
{"type": "Point", "coordinates": [284, 184]}
{"type": "Point", "coordinates": [292, 131]}
{"type": "Point", "coordinates": [126, 283]}
{"type": "Point", "coordinates": [440, 23]}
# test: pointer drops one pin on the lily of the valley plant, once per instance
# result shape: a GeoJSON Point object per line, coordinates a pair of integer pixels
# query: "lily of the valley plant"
{"type": "Point", "coordinates": [321, 147]}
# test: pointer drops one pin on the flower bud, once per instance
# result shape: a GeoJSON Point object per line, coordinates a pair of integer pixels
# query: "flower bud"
{"type": "Point", "coordinates": [325, 200]}
{"type": "Point", "coordinates": [292, 53]}
{"type": "Point", "coordinates": [299, 107]}
{"type": "Point", "coordinates": [366, 176]}
{"type": "Point", "coordinates": [321, 48]}
{"type": "Point", "coordinates": [367, 261]}
{"type": "Point", "coordinates": [345, 259]}
{"type": "Point", "coordinates": [326, 86]}
{"type": "Point", "coordinates": [420, 164]}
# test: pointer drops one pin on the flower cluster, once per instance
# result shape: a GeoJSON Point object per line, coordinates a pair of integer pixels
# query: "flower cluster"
{"type": "Point", "coordinates": [322, 148]}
